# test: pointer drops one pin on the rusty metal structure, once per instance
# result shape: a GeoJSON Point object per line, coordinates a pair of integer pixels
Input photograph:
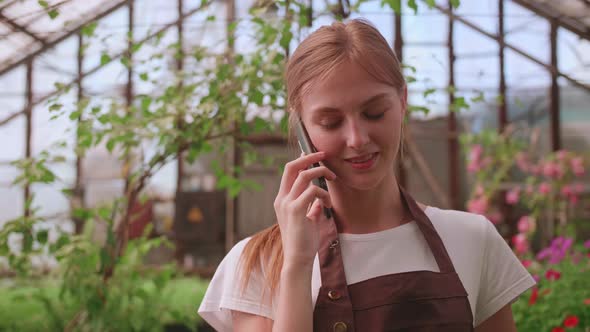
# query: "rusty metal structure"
{"type": "Point", "coordinates": [571, 15]}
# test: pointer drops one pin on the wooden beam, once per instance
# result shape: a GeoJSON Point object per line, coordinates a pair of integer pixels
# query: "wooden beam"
{"type": "Point", "coordinates": [554, 92]}
{"type": "Point", "coordinates": [511, 47]}
{"type": "Point", "coordinates": [28, 130]}
{"type": "Point", "coordinates": [9, 65]}
{"type": "Point", "coordinates": [453, 142]}
{"type": "Point", "coordinates": [502, 108]}
{"type": "Point", "coordinates": [22, 29]}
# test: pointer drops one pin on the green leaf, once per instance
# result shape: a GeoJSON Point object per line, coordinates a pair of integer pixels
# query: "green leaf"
{"type": "Point", "coordinates": [88, 29]}
{"type": "Point", "coordinates": [455, 3]}
{"type": "Point", "coordinates": [145, 103]}
{"type": "Point", "coordinates": [396, 5]}
{"type": "Point", "coordinates": [429, 92]}
{"type": "Point", "coordinates": [256, 97]}
{"type": "Point", "coordinates": [431, 3]}
{"type": "Point", "coordinates": [111, 144]}
{"type": "Point", "coordinates": [75, 115]}
{"type": "Point", "coordinates": [53, 13]}
{"type": "Point", "coordinates": [412, 4]}
{"type": "Point", "coordinates": [43, 4]}
{"type": "Point", "coordinates": [459, 104]}
{"type": "Point", "coordinates": [415, 108]}
{"type": "Point", "coordinates": [210, 18]}
{"type": "Point", "coordinates": [55, 107]}
{"type": "Point", "coordinates": [104, 59]}
{"type": "Point", "coordinates": [143, 76]}
{"type": "Point", "coordinates": [42, 236]}
{"type": "Point", "coordinates": [126, 61]}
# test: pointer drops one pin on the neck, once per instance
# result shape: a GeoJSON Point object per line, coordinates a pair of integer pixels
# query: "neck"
{"type": "Point", "coordinates": [367, 211]}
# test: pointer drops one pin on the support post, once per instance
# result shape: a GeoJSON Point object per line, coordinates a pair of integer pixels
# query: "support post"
{"type": "Point", "coordinates": [554, 93]}
{"type": "Point", "coordinates": [78, 195]}
{"type": "Point", "coordinates": [398, 47]}
{"type": "Point", "coordinates": [453, 143]}
{"type": "Point", "coordinates": [28, 130]}
{"type": "Point", "coordinates": [502, 109]}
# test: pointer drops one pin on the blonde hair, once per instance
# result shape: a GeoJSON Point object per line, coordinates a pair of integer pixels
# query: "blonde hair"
{"type": "Point", "coordinates": [357, 41]}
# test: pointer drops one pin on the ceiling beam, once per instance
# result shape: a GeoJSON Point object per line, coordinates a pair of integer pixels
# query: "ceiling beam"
{"type": "Point", "coordinates": [20, 28]}
{"type": "Point", "coordinates": [512, 47]}
{"type": "Point", "coordinates": [9, 65]}
{"type": "Point", "coordinates": [549, 12]}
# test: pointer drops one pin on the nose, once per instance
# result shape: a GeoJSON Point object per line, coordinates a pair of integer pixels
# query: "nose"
{"type": "Point", "coordinates": [357, 135]}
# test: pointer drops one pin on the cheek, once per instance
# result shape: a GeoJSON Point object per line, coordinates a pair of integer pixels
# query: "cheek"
{"type": "Point", "coordinates": [330, 143]}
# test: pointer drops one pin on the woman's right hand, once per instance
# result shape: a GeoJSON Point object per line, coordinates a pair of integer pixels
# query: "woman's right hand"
{"type": "Point", "coordinates": [297, 221]}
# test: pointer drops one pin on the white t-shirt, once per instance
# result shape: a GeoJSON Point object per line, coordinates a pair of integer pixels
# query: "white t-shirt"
{"type": "Point", "coordinates": [491, 274]}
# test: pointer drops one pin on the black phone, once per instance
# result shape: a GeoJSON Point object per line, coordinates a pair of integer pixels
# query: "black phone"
{"type": "Point", "coordinates": [307, 148]}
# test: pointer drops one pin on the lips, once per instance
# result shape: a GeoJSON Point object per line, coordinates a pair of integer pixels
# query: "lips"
{"type": "Point", "coordinates": [364, 162]}
{"type": "Point", "coordinates": [362, 159]}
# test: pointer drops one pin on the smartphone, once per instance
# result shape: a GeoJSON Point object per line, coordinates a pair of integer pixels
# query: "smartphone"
{"type": "Point", "coordinates": [307, 148]}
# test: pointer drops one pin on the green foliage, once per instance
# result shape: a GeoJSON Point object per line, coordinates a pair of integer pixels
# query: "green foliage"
{"type": "Point", "coordinates": [24, 304]}
{"type": "Point", "coordinates": [556, 299]}
{"type": "Point", "coordinates": [104, 285]}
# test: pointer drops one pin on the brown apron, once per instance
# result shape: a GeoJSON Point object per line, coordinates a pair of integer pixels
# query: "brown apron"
{"type": "Point", "coordinates": [411, 301]}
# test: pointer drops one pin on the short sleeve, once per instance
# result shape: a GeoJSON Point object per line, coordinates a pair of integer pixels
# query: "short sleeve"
{"type": "Point", "coordinates": [503, 277]}
{"type": "Point", "coordinates": [224, 294]}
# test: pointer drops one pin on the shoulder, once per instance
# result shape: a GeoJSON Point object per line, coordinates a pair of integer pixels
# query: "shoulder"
{"type": "Point", "coordinates": [459, 222]}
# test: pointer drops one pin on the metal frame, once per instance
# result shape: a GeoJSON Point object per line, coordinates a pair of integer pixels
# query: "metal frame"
{"type": "Point", "coordinates": [454, 188]}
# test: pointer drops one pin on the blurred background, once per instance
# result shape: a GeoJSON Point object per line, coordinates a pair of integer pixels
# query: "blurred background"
{"type": "Point", "coordinates": [140, 140]}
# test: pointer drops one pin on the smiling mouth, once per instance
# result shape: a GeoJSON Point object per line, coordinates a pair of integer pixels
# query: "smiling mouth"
{"type": "Point", "coordinates": [362, 159]}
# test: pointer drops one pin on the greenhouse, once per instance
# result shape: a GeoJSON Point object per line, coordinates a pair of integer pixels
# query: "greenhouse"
{"type": "Point", "coordinates": [144, 144]}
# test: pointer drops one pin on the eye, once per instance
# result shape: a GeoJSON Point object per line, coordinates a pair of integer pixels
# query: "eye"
{"type": "Point", "coordinates": [374, 116]}
{"type": "Point", "coordinates": [330, 124]}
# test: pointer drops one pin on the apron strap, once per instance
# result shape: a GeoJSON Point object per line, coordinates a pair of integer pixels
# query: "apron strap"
{"type": "Point", "coordinates": [432, 238]}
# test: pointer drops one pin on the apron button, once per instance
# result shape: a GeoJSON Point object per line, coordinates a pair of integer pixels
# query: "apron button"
{"type": "Point", "coordinates": [340, 327]}
{"type": "Point", "coordinates": [334, 295]}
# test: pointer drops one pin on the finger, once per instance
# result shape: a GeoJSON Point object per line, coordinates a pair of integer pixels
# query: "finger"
{"type": "Point", "coordinates": [315, 211]}
{"type": "Point", "coordinates": [293, 168]}
{"type": "Point", "coordinates": [305, 177]}
{"type": "Point", "coordinates": [309, 195]}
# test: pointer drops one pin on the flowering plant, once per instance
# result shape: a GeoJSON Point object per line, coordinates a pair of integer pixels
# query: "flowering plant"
{"type": "Point", "coordinates": [562, 296]}
{"type": "Point", "coordinates": [551, 190]}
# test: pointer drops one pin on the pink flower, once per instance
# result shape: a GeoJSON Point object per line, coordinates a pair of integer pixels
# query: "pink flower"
{"type": "Point", "coordinates": [552, 170]}
{"type": "Point", "coordinates": [478, 205]}
{"type": "Point", "coordinates": [475, 152]}
{"type": "Point", "coordinates": [526, 263]}
{"type": "Point", "coordinates": [577, 165]}
{"type": "Point", "coordinates": [545, 188]}
{"type": "Point", "coordinates": [561, 155]}
{"type": "Point", "coordinates": [479, 190]}
{"type": "Point", "coordinates": [495, 217]}
{"type": "Point", "coordinates": [525, 224]}
{"type": "Point", "coordinates": [573, 199]}
{"type": "Point", "coordinates": [522, 161]}
{"type": "Point", "coordinates": [512, 196]}
{"type": "Point", "coordinates": [521, 244]}
{"type": "Point", "coordinates": [567, 190]}
{"type": "Point", "coordinates": [587, 244]}
{"type": "Point", "coordinates": [474, 166]}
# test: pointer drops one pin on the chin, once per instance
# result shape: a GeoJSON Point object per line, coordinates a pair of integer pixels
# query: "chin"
{"type": "Point", "coordinates": [363, 182]}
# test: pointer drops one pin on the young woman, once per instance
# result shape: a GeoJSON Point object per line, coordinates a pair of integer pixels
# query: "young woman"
{"type": "Point", "coordinates": [382, 262]}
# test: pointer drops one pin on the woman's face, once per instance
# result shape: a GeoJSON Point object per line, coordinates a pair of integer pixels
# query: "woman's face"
{"type": "Point", "coordinates": [357, 121]}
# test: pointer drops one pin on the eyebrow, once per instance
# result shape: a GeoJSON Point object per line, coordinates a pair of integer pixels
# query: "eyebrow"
{"type": "Point", "coordinates": [364, 104]}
